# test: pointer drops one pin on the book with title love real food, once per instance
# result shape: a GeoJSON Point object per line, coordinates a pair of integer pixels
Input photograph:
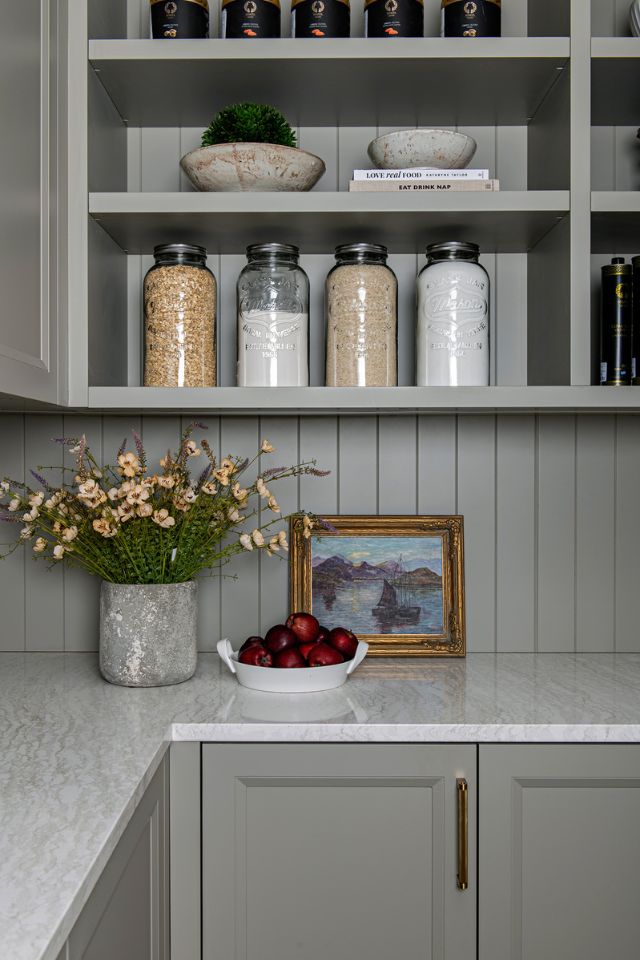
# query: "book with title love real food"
{"type": "Point", "coordinates": [408, 186]}
{"type": "Point", "coordinates": [420, 173]}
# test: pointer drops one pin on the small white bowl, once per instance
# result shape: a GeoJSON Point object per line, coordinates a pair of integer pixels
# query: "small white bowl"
{"type": "Point", "coordinates": [300, 680]}
{"type": "Point", "coordinates": [252, 167]}
{"type": "Point", "coordinates": [438, 149]}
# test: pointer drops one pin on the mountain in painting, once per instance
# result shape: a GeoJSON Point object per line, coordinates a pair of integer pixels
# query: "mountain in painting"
{"type": "Point", "coordinates": [336, 570]}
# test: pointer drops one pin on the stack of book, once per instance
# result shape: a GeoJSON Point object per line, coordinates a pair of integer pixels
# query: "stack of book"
{"type": "Point", "coordinates": [420, 179]}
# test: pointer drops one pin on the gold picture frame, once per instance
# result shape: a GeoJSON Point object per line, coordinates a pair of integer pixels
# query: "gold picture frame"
{"type": "Point", "coordinates": [448, 641]}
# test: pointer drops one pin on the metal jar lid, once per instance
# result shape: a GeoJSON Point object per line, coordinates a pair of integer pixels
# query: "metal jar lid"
{"type": "Point", "coordinates": [453, 250]}
{"type": "Point", "coordinates": [179, 250]}
{"type": "Point", "coordinates": [360, 249]}
{"type": "Point", "coordinates": [272, 250]}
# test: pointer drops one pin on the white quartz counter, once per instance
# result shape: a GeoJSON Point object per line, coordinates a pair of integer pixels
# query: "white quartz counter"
{"type": "Point", "coordinates": [77, 754]}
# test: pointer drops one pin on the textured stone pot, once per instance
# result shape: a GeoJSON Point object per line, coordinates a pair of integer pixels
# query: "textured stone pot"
{"type": "Point", "coordinates": [148, 635]}
{"type": "Point", "coordinates": [439, 149]}
{"type": "Point", "coordinates": [238, 167]}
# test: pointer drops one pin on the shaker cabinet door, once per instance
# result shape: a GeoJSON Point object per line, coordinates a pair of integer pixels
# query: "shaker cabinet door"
{"type": "Point", "coordinates": [342, 851]}
{"type": "Point", "coordinates": [28, 171]}
{"type": "Point", "coordinates": [559, 852]}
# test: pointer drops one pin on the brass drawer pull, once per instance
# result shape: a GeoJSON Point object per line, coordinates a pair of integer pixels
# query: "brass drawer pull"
{"type": "Point", "coordinates": [463, 833]}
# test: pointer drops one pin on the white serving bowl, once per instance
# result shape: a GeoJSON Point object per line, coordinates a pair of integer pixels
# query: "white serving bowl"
{"type": "Point", "coordinates": [300, 680]}
{"type": "Point", "coordinates": [256, 167]}
{"type": "Point", "coordinates": [439, 149]}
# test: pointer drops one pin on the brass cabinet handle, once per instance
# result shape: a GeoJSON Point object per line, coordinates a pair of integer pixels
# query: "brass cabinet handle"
{"type": "Point", "coordinates": [462, 788]}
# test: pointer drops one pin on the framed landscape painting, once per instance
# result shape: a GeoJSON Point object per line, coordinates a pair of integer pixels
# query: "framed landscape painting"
{"type": "Point", "coordinates": [396, 582]}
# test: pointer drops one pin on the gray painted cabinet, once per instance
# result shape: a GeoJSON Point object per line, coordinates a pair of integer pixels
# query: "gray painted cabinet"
{"type": "Point", "coordinates": [559, 852]}
{"type": "Point", "coordinates": [350, 850]}
{"type": "Point", "coordinates": [32, 85]}
{"type": "Point", "coordinates": [127, 915]}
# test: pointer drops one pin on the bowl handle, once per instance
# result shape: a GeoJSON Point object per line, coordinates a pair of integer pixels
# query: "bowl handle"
{"type": "Point", "coordinates": [361, 653]}
{"type": "Point", "coordinates": [224, 651]}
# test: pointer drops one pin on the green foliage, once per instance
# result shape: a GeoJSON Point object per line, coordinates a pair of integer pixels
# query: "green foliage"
{"type": "Point", "coordinates": [249, 123]}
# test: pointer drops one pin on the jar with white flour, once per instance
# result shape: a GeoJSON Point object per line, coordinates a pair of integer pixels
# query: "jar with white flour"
{"type": "Point", "coordinates": [273, 318]}
{"type": "Point", "coordinates": [453, 318]}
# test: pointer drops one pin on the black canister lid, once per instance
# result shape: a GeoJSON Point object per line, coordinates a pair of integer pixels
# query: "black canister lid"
{"type": "Point", "coordinates": [617, 268]}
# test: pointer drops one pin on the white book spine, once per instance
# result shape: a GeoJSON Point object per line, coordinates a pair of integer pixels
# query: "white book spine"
{"type": "Point", "coordinates": [397, 186]}
{"type": "Point", "coordinates": [420, 174]}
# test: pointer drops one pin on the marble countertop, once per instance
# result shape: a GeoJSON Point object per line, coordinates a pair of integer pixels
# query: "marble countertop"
{"type": "Point", "coordinates": [77, 754]}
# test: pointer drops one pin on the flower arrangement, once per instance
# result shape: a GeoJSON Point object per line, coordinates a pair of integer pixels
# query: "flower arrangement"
{"type": "Point", "coordinates": [125, 524]}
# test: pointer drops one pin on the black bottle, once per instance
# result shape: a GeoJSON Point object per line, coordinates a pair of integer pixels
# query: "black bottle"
{"type": "Point", "coordinates": [617, 322]}
{"type": "Point", "coordinates": [394, 18]}
{"type": "Point", "coordinates": [320, 18]}
{"type": "Point", "coordinates": [471, 18]}
{"type": "Point", "coordinates": [635, 336]}
{"type": "Point", "coordinates": [179, 19]}
{"type": "Point", "coordinates": [250, 19]}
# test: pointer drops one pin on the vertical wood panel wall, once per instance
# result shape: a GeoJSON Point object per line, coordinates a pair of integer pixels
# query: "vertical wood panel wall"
{"type": "Point", "coordinates": [551, 507]}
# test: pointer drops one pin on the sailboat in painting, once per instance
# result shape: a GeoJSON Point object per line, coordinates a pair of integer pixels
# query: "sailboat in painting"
{"type": "Point", "coordinates": [394, 605]}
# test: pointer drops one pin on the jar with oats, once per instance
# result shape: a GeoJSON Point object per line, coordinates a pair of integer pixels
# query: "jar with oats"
{"type": "Point", "coordinates": [362, 318]}
{"type": "Point", "coordinates": [180, 318]}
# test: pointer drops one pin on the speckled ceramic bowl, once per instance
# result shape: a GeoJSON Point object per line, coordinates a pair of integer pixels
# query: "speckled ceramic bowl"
{"type": "Point", "coordinates": [255, 167]}
{"type": "Point", "coordinates": [439, 149]}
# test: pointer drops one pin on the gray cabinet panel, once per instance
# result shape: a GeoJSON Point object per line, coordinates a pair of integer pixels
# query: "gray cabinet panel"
{"type": "Point", "coordinates": [337, 851]}
{"type": "Point", "coordinates": [558, 854]}
{"type": "Point", "coordinates": [28, 170]}
{"type": "Point", "coordinates": [127, 914]}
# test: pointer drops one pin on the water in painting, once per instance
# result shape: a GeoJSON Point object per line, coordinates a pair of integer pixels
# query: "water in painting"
{"type": "Point", "coordinates": [378, 585]}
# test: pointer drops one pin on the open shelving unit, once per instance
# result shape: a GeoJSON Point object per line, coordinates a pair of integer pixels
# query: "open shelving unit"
{"type": "Point", "coordinates": [540, 102]}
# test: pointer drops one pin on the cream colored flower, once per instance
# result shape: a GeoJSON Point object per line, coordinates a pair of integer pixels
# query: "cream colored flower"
{"type": "Point", "coordinates": [240, 494]}
{"type": "Point", "coordinates": [14, 505]}
{"type": "Point", "coordinates": [58, 551]}
{"type": "Point", "coordinates": [167, 483]}
{"type": "Point", "coordinates": [70, 534]}
{"type": "Point", "coordinates": [63, 509]}
{"type": "Point", "coordinates": [26, 533]}
{"type": "Point", "coordinates": [282, 540]}
{"type": "Point", "coordinates": [273, 504]}
{"type": "Point", "coordinates": [113, 494]}
{"type": "Point", "coordinates": [274, 543]}
{"type": "Point", "coordinates": [228, 465]}
{"type": "Point", "coordinates": [257, 538]}
{"type": "Point", "coordinates": [31, 515]}
{"type": "Point", "coordinates": [36, 499]}
{"type": "Point", "coordinates": [40, 545]}
{"type": "Point", "coordinates": [189, 495]}
{"type": "Point", "coordinates": [209, 488]}
{"type": "Point", "coordinates": [234, 515]}
{"type": "Point", "coordinates": [149, 482]}
{"type": "Point", "coordinates": [162, 518]}
{"type": "Point", "coordinates": [266, 447]}
{"type": "Point", "coordinates": [145, 510]}
{"type": "Point", "coordinates": [57, 527]}
{"type": "Point", "coordinates": [192, 448]}
{"type": "Point", "coordinates": [126, 511]}
{"type": "Point", "coordinates": [137, 495]}
{"type": "Point", "coordinates": [4, 486]}
{"type": "Point", "coordinates": [105, 527]}
{"type": "Point", "coordinates": [245, 540]}
{"type": "Point", "coordinates": [222, 477]}
{"type": "Point", "coordinates": [262, 489]}
{"type": "Point", "coordinates": [307, 527]}
{"type": "Point", "coordinates": [97, 473]}
{"type": "Point", "coordinates": [129, 464]}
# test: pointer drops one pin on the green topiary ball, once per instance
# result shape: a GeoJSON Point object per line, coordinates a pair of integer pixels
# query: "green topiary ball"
{"type": "Point", "coordinates": [249, 123]}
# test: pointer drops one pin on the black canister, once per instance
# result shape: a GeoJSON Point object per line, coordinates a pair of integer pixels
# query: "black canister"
{"type": "Point", "coordinates": [616, 326]}
{"type": "Point", "coordinates": [179, 19]}
{"type": "Point", "coordinates": [250, 19]}
{"type": "Point", "coordinates": [471, 18]}
{"type": "Point", "coordinates": [320, 18]}
{"type": "Point", "coordinates": [394, 18]}
{"type": "Point", "coordinates": [635, 335]}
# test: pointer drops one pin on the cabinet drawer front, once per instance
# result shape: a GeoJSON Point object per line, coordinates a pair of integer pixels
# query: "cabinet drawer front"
{"type": "Point", "coordinates": [558, 855]}
{"type": "Point", "coordinates": [337, 851]}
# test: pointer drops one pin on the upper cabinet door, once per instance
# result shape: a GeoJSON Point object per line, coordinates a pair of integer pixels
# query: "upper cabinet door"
{"type": "Point", "coordinates": [28, 173]}
{"type": "Point", "coordinates": [341, 851]}
{"type": "Point", "coordinates": [559, 852]}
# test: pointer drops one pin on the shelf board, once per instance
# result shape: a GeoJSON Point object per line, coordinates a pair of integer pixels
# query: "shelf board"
{"type": "Point", "coordinates": [504, 222]}
{"type": "Point", "coordinates": [371, 400]}
{"type": "Point", "coordinates": [357, 82]}
{"type": "Point", "coordinates": [615, 79]}
{"type": "Point", "coordinates": [615, 221]}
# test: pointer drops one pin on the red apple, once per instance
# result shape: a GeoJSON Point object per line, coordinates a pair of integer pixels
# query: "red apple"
{"type": "Point", "coordinates": [279, 638]}
{"type": "Point", "coordinates": [344, 641]}
{"type": "Point", "coordinates": [322, 655]}
{"type": "Point", "coordinates": [304, 649]}
{"type": "Point", "coordinates": [289, 658]}
{"type": "Point", "coordinates": [323, 634]}
{"type": "Point", "coordinates": [250, 642]}
{"type": "Point", "coordinates": [305, 626]}
{"type": "Point", "coordinates": [256, 656]}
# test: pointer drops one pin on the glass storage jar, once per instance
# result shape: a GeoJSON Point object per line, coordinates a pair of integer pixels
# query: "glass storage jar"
{"type": "Point", "coordinates": [362, 318]}
{"type": "Point", "coordinates": [452, 345]}
{"type": "Point", "coordinates": [180, 318]}
{"type": "Point", "coordinates": [273, 318]}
